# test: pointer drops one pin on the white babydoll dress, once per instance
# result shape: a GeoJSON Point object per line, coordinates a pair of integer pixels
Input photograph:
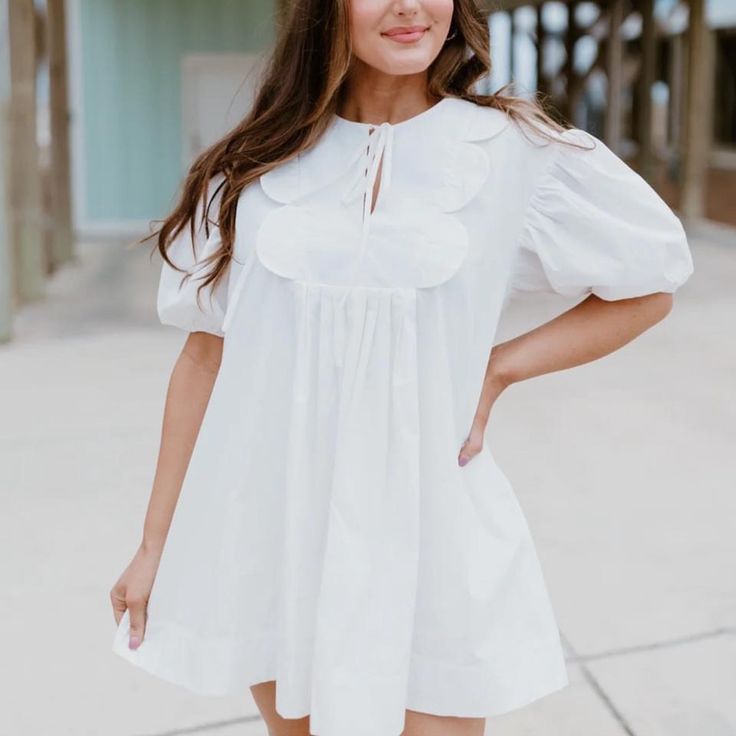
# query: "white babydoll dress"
{"type": "Point", "coordinates": [325, 535]}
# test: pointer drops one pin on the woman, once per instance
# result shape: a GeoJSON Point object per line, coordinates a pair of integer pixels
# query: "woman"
{"type": "Point", "coordinates": [327, 525]}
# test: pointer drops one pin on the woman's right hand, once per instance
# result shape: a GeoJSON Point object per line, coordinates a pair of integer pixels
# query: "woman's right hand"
{"type": "Point", "coordinates": [133, 589]}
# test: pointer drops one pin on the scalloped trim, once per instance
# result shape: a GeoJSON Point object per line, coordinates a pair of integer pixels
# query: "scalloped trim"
{"type": "Point", "coordinates": [329, 158]}
{"type": "Point", "coordinates": [415, 240]}
{"type": "Point", "coordinates": [313, 245]}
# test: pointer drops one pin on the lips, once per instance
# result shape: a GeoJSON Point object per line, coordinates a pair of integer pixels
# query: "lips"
{"type": "Point", "coordinates": [405, 34]}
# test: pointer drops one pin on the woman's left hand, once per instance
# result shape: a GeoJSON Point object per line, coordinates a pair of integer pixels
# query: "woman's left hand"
{"type": "Point", "coordinates": [591, 329]}
{"type": "Point", "coordinates": [473, 444]}
{"type": "Point", "coordinates": [493, 386]}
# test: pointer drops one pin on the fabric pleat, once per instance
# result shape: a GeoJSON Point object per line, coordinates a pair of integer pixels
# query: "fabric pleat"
{"type": "Point", "coordinates": [349, 579]}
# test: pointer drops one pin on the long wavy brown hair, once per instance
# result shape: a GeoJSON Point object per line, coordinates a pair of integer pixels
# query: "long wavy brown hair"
{"type": "Point", "coordinates": [301, 87]}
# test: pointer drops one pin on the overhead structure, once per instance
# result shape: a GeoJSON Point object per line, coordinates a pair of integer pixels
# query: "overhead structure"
{"type": "Point", "coordinates": [638, 56]}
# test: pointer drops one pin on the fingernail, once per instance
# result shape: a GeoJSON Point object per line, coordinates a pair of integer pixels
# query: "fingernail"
{"type": "Point", "coordinates": [462, 461]}
{"type": "Point", "coordinates": [134, 642]}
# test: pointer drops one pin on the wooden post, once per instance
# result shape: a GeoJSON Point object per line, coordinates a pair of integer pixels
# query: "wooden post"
{"type": "Point", "coordinates": [25, 184]}
{"type": "Point", "coordinates": [676, 79]}
{"type": "Point", "coordinates": [512, 50]}
{"type": "Point", "coordinates": [614, 71]}
{"type": "Point", "coordinates": [697, 133]}
{"type": "Point", "coordinates": [6, 250]}
{"type": "Point", "coordinates": [644, 90]}
{"type": "Point", "coordinates": [541, 37]}
{"type": "Point", "coordinates": [572, 83]}
{"type": "Point", "coordinates": [61, 205]}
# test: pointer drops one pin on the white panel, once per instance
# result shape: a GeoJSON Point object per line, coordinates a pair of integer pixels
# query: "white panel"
{"type": "Point", "coordinates": [217, 92]}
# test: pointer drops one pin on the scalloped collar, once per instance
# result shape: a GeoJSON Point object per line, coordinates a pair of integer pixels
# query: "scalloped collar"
{"type": "Point", "coordinates": [453, 117]}
{"type": "Point", "coordinates": [449, 122]}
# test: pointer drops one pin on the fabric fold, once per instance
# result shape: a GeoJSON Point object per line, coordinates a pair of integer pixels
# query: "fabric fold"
{"type": "Point", "coordinates": [176, 301]}
{"type": "Point", "coordinates": [347, 607]}
{"type": "Point", "coordinates": [593, 225]}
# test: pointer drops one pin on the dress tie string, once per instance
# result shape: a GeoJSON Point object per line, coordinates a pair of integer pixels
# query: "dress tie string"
{"type": "Point", "coordinates": [380, 143]}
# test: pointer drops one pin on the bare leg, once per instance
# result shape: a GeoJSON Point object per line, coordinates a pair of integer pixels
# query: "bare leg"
{"type": "Point", "coordinates": [424, 724]}
{"type": "Point", "coordinates": [264, 693]}
{"type": "Point", "coordinates": [417, 724]}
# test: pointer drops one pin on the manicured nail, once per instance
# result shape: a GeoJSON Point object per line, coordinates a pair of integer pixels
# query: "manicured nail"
{"type": "Point", "coordinates": [462, 461]}
{"type": "Point", "coordinates": [134, 642]}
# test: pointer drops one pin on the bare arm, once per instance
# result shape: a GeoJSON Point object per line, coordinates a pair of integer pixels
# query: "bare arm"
{"type": "Point", "coordinates": [189, 391]}
{"type": "Point", "coordinates": [590, 330]}
{"type": "Point", "coordinates": [187, 397]}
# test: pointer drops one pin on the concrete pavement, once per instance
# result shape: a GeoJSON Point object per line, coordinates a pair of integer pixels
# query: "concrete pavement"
{"type": "Point", "coordinates": [626, 469]}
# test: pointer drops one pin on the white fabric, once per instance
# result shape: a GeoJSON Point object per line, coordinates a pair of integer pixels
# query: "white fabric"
{"type": "Point", "coordinates": [177, 297]}
{"type": "Point", "coordinates": [325, 536]}
{"type": "Point", "coordinates": [594, 226]}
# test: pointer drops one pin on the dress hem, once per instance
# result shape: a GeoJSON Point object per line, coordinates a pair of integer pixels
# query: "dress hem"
{"type": "Point", "coordinates": [434, 688]}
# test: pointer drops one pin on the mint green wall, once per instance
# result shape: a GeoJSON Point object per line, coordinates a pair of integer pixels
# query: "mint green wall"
{"type": "Point", "coordinates": [131, 67]}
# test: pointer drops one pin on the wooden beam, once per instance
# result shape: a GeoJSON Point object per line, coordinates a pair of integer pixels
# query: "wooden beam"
{"type": "Point", "coordinates": [495, 6]}
{"type": "Point", "coordinates": [25, 183]}
{"type": "Point", "coordinates": [541, 33]}
{"type": "Point", "coordinates": [614, 70]}
{"type": "Point", "coordinates": [644, 89]}
{"type": "Point", "coordinates": [61, 201]}
{"type": "Point", "coordinates": [697, 133]}
{"type": "Point", "coordinates": [676, 80]}
{"type": "Point", "coordinates": [6, 250]}
{"type": "Point", "coordinates": [512, 50]}
{"type": "Point", "coordinates": [573, 83]}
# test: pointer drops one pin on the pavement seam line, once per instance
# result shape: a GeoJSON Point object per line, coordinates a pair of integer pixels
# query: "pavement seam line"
{"type": "Point", "coordinates": [606, 700]}
{"type": "Point", "coordinates": [208, 726]}
{"type": "Point", "coordinates": [597, 688]}
{"type": "Point", "coordinates": [665, 644]}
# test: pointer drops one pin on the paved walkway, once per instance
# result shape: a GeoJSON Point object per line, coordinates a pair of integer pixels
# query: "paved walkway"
{"type": "Point", "coordinates": [626, 469]}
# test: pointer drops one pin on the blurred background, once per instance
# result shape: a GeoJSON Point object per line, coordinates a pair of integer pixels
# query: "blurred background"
{"type": "Point", "coordinates": [630, 492]}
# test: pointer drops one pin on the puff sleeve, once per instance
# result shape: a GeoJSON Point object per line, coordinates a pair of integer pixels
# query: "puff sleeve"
{"type": "Point", "coordinates": [176, 302]}
{"type": "Point", "coordinates": [593, 225]}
